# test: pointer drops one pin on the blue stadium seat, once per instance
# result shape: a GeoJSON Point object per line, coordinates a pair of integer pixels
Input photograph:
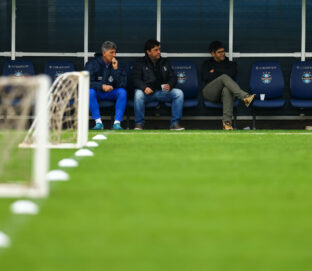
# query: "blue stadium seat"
{"type": "Point", "coordinates": [218, 105]}
{"type": "Point", "coordinates": [266, 78]}
{"type": "Point", "coordinates": [18, 68]}
{"type": "Point", "coordinates": [56, 68]}
{"type": "Point", "coordinates": [301, 85]}
{"type": "Point", "coordinates": [187, 81]}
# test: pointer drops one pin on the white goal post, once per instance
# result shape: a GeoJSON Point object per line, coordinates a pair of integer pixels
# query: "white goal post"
{"type": "Point", "coordinates": [38, 86]}
{"type": "Point", "coordinates": [68, 103]}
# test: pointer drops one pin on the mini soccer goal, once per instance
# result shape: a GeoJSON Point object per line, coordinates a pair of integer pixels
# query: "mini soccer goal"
{"type": "Point", "coordinates": [68, 104]}
{"type": "Point", "coordinates": [23, 171]}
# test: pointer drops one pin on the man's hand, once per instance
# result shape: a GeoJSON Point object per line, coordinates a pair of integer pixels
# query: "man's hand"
{"type": "Point", "coordinates": [166, 87]}
{"type": "Point", "coordinates": [211, 71]}
{"type": "Point", "coordinates": [148, 91]}
{"type": "Point", "coordinates": [107, 88]}
{"type": "Point", "coordinates": [115, 63]}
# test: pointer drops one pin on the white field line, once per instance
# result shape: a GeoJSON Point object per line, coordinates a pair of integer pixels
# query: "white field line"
{"type": "Point", "coordinates": [203, 133]}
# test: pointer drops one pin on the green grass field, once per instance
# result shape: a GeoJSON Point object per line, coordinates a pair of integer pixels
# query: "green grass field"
{"type": "Point", "coordinates": [163, 200]}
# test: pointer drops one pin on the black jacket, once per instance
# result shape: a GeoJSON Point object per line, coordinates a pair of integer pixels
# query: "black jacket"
{"type": "Point", "coordinates": [224, 67]}
{"type": "Point", "coordinates": [146, 74]}
{"type": "Point", "coordinates": [101, 73]}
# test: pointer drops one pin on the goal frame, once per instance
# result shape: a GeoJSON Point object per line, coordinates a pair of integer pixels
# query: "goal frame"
{"type": "Point", "coordinates": [82, 115]}
{"type": "Point", "coordinates": [38, 186]}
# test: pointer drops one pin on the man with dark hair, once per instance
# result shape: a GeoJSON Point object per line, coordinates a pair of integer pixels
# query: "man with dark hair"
{"type": "Point", "coordinates": [219, 77]}
{"type": "Point", "coordinates": [154, 80]}
{"type": "Point", "coordinates": [107, 82]}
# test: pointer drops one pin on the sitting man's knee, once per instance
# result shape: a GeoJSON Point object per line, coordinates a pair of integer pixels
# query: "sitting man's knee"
{"type": "Point", "coordinates": [138, 94]}
{"type": "Point", "coordinates": [178, 93]}
{"type": "Point", "coordinates": [226, 77]}
{"type": "Point", "coordinates": [92, 93]}
{"type": "Point", "coordinates": [122, 92]}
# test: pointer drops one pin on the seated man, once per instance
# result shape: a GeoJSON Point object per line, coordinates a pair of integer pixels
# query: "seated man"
{"type": "Point", "coordinates": [107, 82]}
{"type": "Point", "coordinates": [219, 75]}
{"type": "Point", "coordinates": [154, 80]}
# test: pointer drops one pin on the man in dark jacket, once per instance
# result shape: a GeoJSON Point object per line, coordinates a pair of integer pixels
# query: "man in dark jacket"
{"type": "Point", "coordinates": [107, 82]}
{"type": "Point", "coordinates": [154, 80]}
{"type": "Point", "coordinates": [220, 86]}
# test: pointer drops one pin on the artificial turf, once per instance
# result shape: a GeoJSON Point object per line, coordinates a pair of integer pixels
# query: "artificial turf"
{"type": "Point", "coordinates": [173, 201]}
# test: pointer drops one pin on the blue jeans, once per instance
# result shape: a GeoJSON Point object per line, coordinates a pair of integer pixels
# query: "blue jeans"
{"type": "Point", "coordinates": [175, 96]}
{"type": "Point", "coordinates": [118, 94]}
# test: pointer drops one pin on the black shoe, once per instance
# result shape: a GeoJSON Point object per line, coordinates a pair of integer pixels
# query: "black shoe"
{"type": "Point", "coordinates": [138, 126]}
{"type": "Point", "coordinates": [177, 127]}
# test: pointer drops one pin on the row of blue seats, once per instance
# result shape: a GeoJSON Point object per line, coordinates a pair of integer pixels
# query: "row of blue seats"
{"type": "Point", "coordinates": [25, 67]}
{"type": "Point", "coordinates": [266, 78]}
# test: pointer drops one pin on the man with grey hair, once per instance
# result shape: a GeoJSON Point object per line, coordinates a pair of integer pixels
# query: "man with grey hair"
{"type": "Point", "coordinates": [108, 80]}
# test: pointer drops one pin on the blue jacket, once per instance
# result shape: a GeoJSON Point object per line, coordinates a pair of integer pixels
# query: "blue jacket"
{"type": "Point", "coordinates": [101, 73]}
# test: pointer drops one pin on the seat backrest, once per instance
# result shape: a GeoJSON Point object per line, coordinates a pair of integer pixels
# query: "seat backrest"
{"type": "Point", "coordinates": [18, 68]}
{"type": "Point", "coordinates": [187, 77]}
{"type": "Point", "coordinates": [57, 68]}
{"type": "Point", "coordinates": [267, 78]}
{"type": "Point", "coordinates": [130, 87]}
{"type": "Point", "coordinates": [301, 80]}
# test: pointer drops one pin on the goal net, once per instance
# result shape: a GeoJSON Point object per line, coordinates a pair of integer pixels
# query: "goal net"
{"type": "Point", "coordinates": [23, 171]}
{"type": "Point", "coordinates": [68, 104]}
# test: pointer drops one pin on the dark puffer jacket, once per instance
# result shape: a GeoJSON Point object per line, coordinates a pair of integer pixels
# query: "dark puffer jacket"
{"type": "Point", "coordinates": [147, 74]}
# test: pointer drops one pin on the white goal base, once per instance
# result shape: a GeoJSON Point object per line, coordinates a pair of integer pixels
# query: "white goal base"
{"type": "Point", "coordinates": [52, 146]}
{"type": "Point", "coordinates": [19, 190]}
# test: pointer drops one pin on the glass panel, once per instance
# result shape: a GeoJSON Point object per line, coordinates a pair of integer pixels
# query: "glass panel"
{"type": "Point", "coordinates": [129, 23]}
{"type": "Point", "coordinates": [49, 26]}
{"type": "Point", "coordinates": [190, 26]}
{"type": "Point", "coordinates": [267, 26]}
{"type": "Point", "coordinates": [5, 26]}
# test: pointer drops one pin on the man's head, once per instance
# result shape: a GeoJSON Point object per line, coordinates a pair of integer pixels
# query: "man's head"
{"type": "Point", "coordinates": [217, 51]}
{"type": "Point", "coordinates": [152, 49]}
{"type": "Point", "coordinates": [109, 49]}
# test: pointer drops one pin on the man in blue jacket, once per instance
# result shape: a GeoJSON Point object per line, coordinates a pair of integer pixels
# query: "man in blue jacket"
{"type": "Point", "coordinates": [154, 80]}
{"type": "Point", "coordinates": [107, 82]}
